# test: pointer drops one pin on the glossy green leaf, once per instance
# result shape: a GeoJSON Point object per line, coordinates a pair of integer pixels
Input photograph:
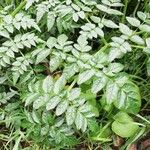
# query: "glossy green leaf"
{"type": "Point", "coordinates": [145, 28]}
{"type": "Point", "coordinates": [79, 120]}
{"type": "Point", "coordinates": [62, 107]}
{"type": "Point", "coordinates": [98, 84]}
{"type": "Point", "coordinates": [125, 130]}
{"type": "Point", "coordinates": [53, 102]}
{"type": "Point", "coordinates": [50, 21]}
{"type": "Point", "coordinates": [85, 76]}
{"type": "Point", "coordinates": [42, 55]}
{"type": "Point", "coordinates": [129, 98]}
{"type": "Point", "coordinates": [59, 85]}
{"type": "Point", "coordinates": [74, 93]}
{"type": "Point", "coordinates": [133, 21]}
{"type": "Point", "coordinates": [70, 115]}
{"type": "Point", "coordinates": [47, 84]}
{"type": "Point", "coordinates": [125, 29]}
{"type": "Point", "coordinates": [112, 90]}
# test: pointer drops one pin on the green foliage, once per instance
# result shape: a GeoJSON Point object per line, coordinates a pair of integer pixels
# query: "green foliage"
{"type": "Point", "coordinates": [124, 125]}
{"type": "Point", "coordinates": [69, 70]}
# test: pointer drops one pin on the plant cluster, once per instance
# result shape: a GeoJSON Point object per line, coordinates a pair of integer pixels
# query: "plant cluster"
{"type": "Point", "coordinates": [73, 71]}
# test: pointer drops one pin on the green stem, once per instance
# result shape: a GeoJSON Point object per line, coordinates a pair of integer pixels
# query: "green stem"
{"type": "Point", "coordinates": [137, 46]}
{"type": "Point", "coordinates": [145, 4]}
{"type": "Point", "coordinates": [137, 77]}
{"type": "Point", "coordinates": [136, 8]}
{"type": "Point", "coordinates": [104, 128]}
{"type": "Point", "coordinates": [143, 118]}
{"type": "Point", "coordinates": [22, 4]}
{"type": "Point", "coordinates": [72, 85]}
{"type": "Point", "coordinates": [104, 41]}
{"type": "Point", "coordinates": [124, 11]}
{"type": "Point", "coordinates": [104, 48]}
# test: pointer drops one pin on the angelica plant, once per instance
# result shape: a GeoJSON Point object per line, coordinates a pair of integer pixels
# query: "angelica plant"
{"type": "Point", "coordinates": [64, 64]}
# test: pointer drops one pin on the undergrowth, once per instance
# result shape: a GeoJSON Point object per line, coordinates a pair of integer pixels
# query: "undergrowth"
{"type": "Point", "coordinates": [74, 73]}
